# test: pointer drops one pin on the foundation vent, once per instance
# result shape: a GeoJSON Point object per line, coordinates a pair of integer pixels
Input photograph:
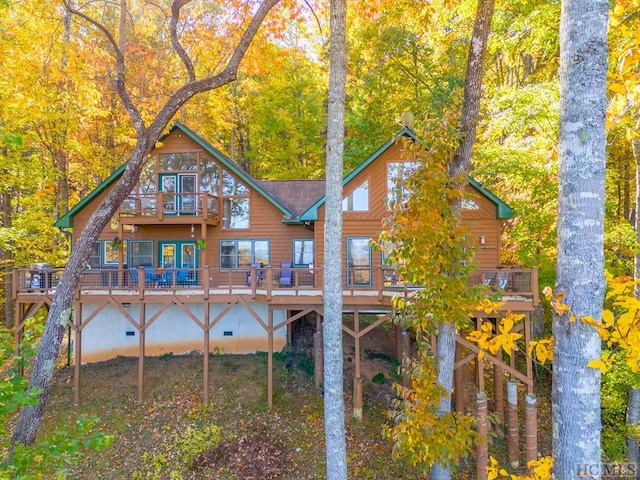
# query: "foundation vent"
{"type": "Point", "coordinates": [130, 333]}
{"type": "Point", "coordinates": [228, 333]}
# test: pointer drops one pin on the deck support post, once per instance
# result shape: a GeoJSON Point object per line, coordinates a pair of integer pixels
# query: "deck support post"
{"type": "Point", "coordinates": [458, 378]}
{"type": "Point", "coordinates": [77, 354]}
{"type": "Point", "coordinates": [406, 344]}
{"type": "Point", "coordinates": [141, 346]}
{"type": "Point", "coordinates": [531, 427]}
{"type": "Point", "coordinates": [205, 354]}
{"type": "Point", "coordinates": [512, 424]}
{"type": "Point", "coordinates": [357, 398]}
{"type": "Point", "coordinates": [398, 331]}
{"type": "Point", "coordinates": [357, 379]}
{"type": "Point", "coordinates": [498, 388]}
{"type": "Point", "coordinates": [318, 352]}
{"type": "Point", "coordinates": [482, 457]}
{"type": "Point", "coordinates": [270, 361]}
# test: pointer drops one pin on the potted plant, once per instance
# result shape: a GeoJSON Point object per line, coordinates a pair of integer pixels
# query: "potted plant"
{"type": "Point", "coordinates": [115, 244]}
{"type": "Point", "coordinates": [201, 243]}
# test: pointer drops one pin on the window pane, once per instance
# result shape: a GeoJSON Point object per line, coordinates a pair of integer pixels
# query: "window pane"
{"type": "Point", "coordinates": [188, 255]}
{"type": "Point", "coordinates": [111, 252]}
{"type": "Point", "coordinates": [147, 182]}
{"type": "Point", "coordinates": [210, 177]}
{"type": "Point", "coordinates": [397, 176]}
{"type": "Point", "coordinates": [302, 252]}
{"type": "Point", "coordinates": [141, 253]}
{"type": "Point", "coordinates": [169, 256]}
{"type": "Point", "coordinates": [261, 252]}
{"type": "Point", "coordinates": [245, 257]}
{"type": "Point", "coordinates": [171, 162]}
{"type": "Point", "coordinates": [358, 200]}
{"type": "Point", "coordinates": [231, 186]}
{"type": "Point", "coordinates": [94, 259]}
{"type": "Point", "coordinates": [227, 254]}
{"type": "Point", "coordinates": [235, 213]}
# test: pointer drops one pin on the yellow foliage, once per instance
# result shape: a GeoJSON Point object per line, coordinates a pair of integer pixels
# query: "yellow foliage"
{"type": "Point", "coordinates": [541, 350]}
{"type": "Point", "coordinates": [504, 339]}
{"type": "Point", "coordinates": [540, 470]}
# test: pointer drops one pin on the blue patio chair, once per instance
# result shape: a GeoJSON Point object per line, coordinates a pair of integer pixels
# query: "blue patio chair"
{"type": "Point", "coordinates": [133, 273]}
{"type": "Point", "coordinates": [259, 273]}
{"type": "Point", "coordinates": [150, 275]}
{"type": "Point", "coordinates": [166, 279]}
{"type": "Point", "coordinates": [286, 274]}
{"type": "Point", "coordinates": [182, 277]}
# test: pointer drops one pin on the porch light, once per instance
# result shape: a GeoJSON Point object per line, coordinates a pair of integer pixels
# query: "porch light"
{"type": "Point", "coordinates": [483, 239]}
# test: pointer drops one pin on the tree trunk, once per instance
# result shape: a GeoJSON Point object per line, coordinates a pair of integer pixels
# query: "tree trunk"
{"type": "Point", "coordinates": [446, 348]}
{"type": "Point", "coordinates": [461, 165]}
{"type": "Point", "coordinates": [580, 262]}
{"type": "Point", "coordinates": [336, 449]}
{"type": "Point", "coordinates": [60, 312]}
{"type": "Point", "coordinates": [6, 257]}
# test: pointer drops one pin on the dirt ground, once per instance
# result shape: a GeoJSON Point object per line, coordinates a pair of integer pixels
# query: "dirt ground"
{"type": "Point", "coordinates": [284, 443]}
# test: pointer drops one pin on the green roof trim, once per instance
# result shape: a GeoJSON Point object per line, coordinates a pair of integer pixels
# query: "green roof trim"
{"type": "Point", "coordinates": [311, 214]}
{"type": "Point", "coordinates": [504, 210]}
{"type": "Point", "coordinates": [66, 221]}
{"type": "Point", "coordinates": [230, 165]}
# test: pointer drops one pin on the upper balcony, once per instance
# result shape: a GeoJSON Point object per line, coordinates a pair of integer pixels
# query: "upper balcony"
{"type": "Point", "coordinates": [170, 208]}
{"type": "Point", "coordinates": [518, 287]}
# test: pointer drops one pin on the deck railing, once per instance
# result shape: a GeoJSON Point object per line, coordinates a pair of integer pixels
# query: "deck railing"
{"type": "Point", "coordinates": [520, 283]}
{"type": "Point", "coordinates": [162, 204]}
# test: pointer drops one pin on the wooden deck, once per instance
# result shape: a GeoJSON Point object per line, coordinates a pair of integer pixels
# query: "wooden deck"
{"type": "Point", "coordinates": [275, 286]}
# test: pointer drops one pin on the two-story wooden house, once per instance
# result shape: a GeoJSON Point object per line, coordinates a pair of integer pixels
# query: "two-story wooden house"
{"type": "Point", "coordinates": [201, 256]}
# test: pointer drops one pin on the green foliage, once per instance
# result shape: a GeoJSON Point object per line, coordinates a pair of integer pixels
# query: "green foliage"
{"type": "Point", "coordinates": [620, 247]}
{"type": "Point", "coordinates": [50, 456]}
{"type": "Point", "coordinates": [183, 452]}
{"type": "Point", "coordinates": [420, 436]}
{"type": "Point", "coordinates": [428, 243]}
{"type": "Point", "coordinates": [616, 382]}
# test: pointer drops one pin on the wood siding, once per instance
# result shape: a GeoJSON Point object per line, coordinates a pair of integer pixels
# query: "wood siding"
{"type": "Point", "coordinates": [481, 222]}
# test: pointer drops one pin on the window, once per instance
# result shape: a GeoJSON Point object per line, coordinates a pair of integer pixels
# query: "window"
{"type": "Point", "coordinates": [94, 258]}
{"type": "Point", "coordinates": [469, 204]}
{"type": "Point", "coordinates": [175, 162]}
{"type": "Point", "coordinates": [242, 253]}
{"type": "Point", "coordinates": [111, 251]}
{"type": "Point", "coordinates": [358, 261]}
{"type": "Point", "coordinates": [358, 200]}
{"type": "Point", "coordinates": [141, 253]}
{"type": "Point", "coordinates": [235, 203]}
{"type": "Point", "coordinates": [210, 177]}
{"type": "Point", "coordinates": [235, 212]}
{"type": "Point", "coordinates": [302, 252]}
{"type": "Point", "coordinates": [397, 177]}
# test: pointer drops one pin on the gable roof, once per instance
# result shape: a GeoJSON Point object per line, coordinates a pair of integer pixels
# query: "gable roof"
{"type": "Point", "coordinates": [66, 221]}
{"type": "Point", "coordinates": [296, 195]}
{"type": "Point", "coordinates": [311, 213]}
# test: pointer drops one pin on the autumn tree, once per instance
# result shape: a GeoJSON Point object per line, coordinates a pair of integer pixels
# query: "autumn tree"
{"type": "Point", "coordinates": [332, 327]}
{"type": "Point", "coordinates": [580, 262]}
{"type": "Point", "coordinates": [113, 25]}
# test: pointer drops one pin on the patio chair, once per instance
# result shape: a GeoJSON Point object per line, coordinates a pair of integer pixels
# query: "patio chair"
{"type": "Point", "coordinates": [182, 277]}
{"type": "Point", "coordinates": [133, 273]}
{"type": "Point", "coordinates": [286, 274]}
{"type": "Point", "coordinates": [259, 273]}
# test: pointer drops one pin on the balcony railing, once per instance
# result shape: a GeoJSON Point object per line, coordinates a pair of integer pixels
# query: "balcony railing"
{"type": "Point", "coordinates": [519, 284]}
{"type": "Point", "coordinates": [159, 205]}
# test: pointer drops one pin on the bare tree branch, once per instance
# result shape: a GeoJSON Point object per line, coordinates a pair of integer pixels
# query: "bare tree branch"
{"type": "Point", "coordinates": [175, 41]}
{"type": "Point", "coordinates": [120, 66]}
